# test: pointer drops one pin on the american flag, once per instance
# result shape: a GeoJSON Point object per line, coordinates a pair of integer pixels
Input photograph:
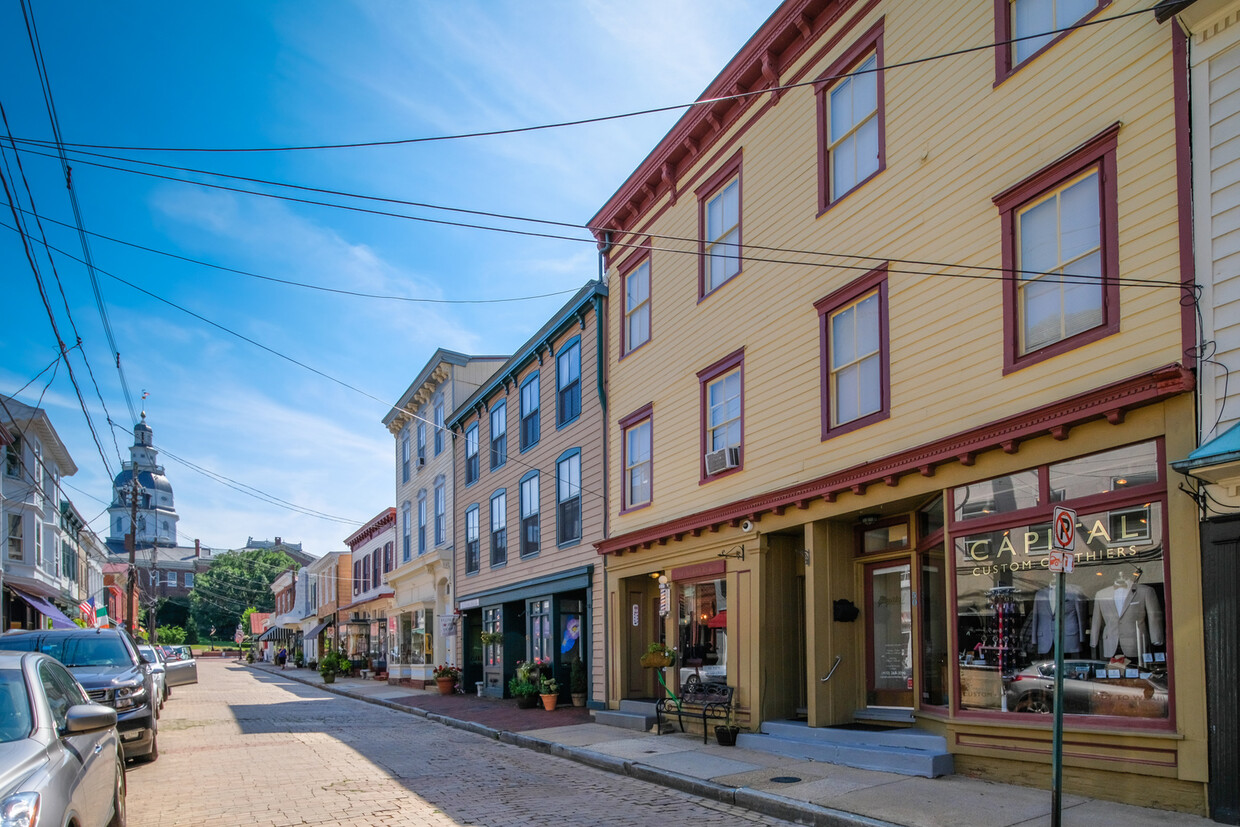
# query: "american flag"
{"type": "Point", "coordinates": [87, 608]}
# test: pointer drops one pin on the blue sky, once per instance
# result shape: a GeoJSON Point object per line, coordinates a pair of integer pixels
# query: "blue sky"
{"type": "Point", "coordinates": [277, 74]}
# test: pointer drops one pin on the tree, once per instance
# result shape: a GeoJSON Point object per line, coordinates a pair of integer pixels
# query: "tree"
{"type": "Point", "coordinates": [236, 580]}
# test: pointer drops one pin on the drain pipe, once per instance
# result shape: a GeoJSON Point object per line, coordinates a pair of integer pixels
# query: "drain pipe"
{"type": "Point", "coordinates": [601, 384]}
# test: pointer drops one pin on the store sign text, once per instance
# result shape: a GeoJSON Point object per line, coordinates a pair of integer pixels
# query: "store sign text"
{"type": "Point", "coordinates": [1036, 547]}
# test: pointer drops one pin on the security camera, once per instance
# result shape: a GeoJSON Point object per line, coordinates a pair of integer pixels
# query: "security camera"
{"type": "Point", "coordinates": [746, 526]}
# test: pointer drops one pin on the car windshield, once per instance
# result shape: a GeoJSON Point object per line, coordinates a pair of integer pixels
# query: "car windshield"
{"type": "Point", "coordinates": [15, 720]}
{"type": "Point", "coordinates": [92, 650]}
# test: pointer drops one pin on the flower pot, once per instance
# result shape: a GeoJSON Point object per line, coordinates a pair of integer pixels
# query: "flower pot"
{"type": "Point", "coordinates": [579, 699]}
{"type": "Point", "coordinates": [726, 735]}
{"type": "Point", "coordinates": [330, 677]}
{"type": "Point", "coordinates": [446, 685]}
{"type": "Point", "coordinates": [653, 660]}
{"type": "Point", "coordinates": [527, 701]}
{"type": "Point", "coordinates": [549, 702]}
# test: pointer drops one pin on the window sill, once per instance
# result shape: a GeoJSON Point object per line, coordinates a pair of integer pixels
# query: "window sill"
{"type": "Point", "coordinates": [567, 422]}
{"type": "Point", "coordinates": [569, 543]}
{"type": "Point", "coordinates": [638, 507]}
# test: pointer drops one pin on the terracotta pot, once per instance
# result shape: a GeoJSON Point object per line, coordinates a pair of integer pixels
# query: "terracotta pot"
{"type": "Point", "coordinates": [446, 685]}
{"type": "Point", "coordinates": [549, 702]}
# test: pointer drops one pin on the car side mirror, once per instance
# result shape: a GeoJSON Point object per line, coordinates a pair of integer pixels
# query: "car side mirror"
{"type": "Point", "coordinates": [88, 718]}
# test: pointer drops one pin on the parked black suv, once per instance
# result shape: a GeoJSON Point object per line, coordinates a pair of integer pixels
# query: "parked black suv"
{"type": "Point", "coordinates": [107, 664]}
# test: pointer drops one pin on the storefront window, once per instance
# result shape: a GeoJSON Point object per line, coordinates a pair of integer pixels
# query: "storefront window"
{"type": "Point", "coordinates": [492, 653]}
{"type": "Point", "coordinates": [541, 641]}
{"type": "Point", "coordinates": [702, 626]}
{"type": "Point", "coordinates": [1107, 473]}
{"type": "Point", "coordinates": [417, 642]}
{"type": "Point", "coordinates": [934, 660]}
{"type": "Point", "coordinates": [1000, 495]}
{"type": "Point", "coordinates": [1116, 662]}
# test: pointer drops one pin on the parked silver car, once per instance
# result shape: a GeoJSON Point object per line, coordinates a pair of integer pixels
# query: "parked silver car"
{"type": "Point", "coordinates": [155, 657]}
{"type": "Point", "coordinates": [60, 755]}
{"type": "Point", "coordinates": [180, 667]}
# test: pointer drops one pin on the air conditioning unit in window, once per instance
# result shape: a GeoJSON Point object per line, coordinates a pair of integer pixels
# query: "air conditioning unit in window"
{"type": "Point", "coordinates": [722, 460]}
{"type": "Point", "coordinates": [421, 460]}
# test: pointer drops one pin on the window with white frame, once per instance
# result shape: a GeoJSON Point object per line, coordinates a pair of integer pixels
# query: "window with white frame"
{"type": "Point", "coordinates": [722, 389]}
{"type": "Point", "coordinates": [189, 580]}
{"type": "Point", "coordinates": [568, 382]}
{"type": "Point", "coordinates": [438, 428]}
{"type": "Point", "coordinates": [499, 434]}
{"type": "Point", "coordinates": [422, 523]}
{"type": "Point", "coordinates": [637, 463]}
{"type": "Point", "coordinates": [529, 514]}
{"type": "Point", "coordinates": [529, 412]}
{"type": "Point", "coordinates": [404, 454]}
{"type": "Point", "coordinates": [1035, 23]}
{"type": "Point", "coordinates": [421, 443]}
{"type": "Point", "coordinates": [568, 497]}
{"type": "Point", "coordinates": [723, 234]}
{"type": "Point", "coordinates": [406, 533]}
{"type": "Point", "coordinates": [499, 528]}
{"type": "Point", "coordinates": [13, 456]}
{"type": "Point", "coordinates": [723, 417]}
{"type": "Point", "coordinates": [637, 306]}
{"type": "Point", "coordinates": [471, 454]}
{"type": "Point", "coordinates": [472, 561]}
{"type": "Point", "coordinates": [853, 128]}
{"type": "Point", "coordinates": [441, 509]}
{"type": "Point", "coordinates": [856, 359]}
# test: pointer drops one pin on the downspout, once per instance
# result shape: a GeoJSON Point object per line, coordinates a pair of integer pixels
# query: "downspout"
{"type": "Point", "coordinates": [600, 355]}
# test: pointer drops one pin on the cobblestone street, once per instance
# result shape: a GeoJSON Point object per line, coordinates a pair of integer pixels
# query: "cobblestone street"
{"type": "Point", "coordinates": [250, 748]}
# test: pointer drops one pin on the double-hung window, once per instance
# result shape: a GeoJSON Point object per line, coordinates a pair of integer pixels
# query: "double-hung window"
{"type": "Point", "coordinates": [499, 528]}
{"type": "Point", "coordinates": [850, 114]}
{"type": "Point", "coordinates": [568, 497]}
{"type": "Point", "coordinates": [471, 540]}
{"type": "Point", "coordinates": [404, 455]}
{"type": "Point", "coordinates": [722, 392]}
{"type": "Point", "coordinates": [638, 431]}
{"type": "Point", "coordinates": [853, 335]}
{"type": "Point", "coordinates": [406, 533]}
{"type": "Point", "coordinates": [441, 508]}
{"type": "Point", "coordinates": [529, 412]}
{"type": "Point", "coordinates": [471, 454]}
{"type": "Point", "coordinates": [636, 330]}
{"type": "Point", "coordinates": [529, 514]}
{"type": "Point", "coordinates": [438, 428]}
{"type": "Point", "coordinates": [499, 434]}
{"type": "Point", "coordinates": [13, 456]}
{"type": "Point", "coordinates": [1023, 28]}
{"type": "Point", "coordinates": [15, 537]}
{"type": "Point", "coordinates": [1060, 253]}
{"type": "Point", "coordinates": [568, 382]}
{"type": "Point", "coordinates": [421, 443]}
{"type": "Point", "coordinates": [422, 523]}
{"type": "Point", "coordinates": [366, 573]}
{"type": "Point", "coordinates": [720, 230]}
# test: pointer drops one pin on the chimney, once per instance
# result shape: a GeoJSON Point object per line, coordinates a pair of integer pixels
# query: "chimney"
{"type": "Point", "coordinates": [197, 548]}
{"type": "Point", "coordinates": [277, 541]}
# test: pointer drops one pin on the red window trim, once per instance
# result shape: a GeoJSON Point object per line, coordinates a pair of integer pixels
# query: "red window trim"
{"type": "Point", "coordinates": [1098, 152]}
{"type": "Point", "coordinates": [642, 414]}
{"type": "Point", "coordinates": [875, 279]}
{"type": "Point", "coordinates": [729, 169]}
{"type": "Point", "coordinates": [1004, 66]}
{"type": "Point", "coordinates": [871, 41]}
{"type": "Point", "coordinates": [641, 253]}
{"type": "Point", "coordinates": [733, 361]}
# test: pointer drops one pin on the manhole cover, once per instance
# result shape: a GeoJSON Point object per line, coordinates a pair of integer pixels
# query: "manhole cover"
{"type": "Point", "coordinates": [785, 779]}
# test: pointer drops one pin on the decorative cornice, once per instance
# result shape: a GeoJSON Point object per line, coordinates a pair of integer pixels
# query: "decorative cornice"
{"type": "Point", "coordinates": [385, 519]}
{"type": "Point", "coordinates": [1110, 402]}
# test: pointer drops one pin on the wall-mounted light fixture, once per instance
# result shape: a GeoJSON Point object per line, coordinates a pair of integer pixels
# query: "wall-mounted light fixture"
{"type": "Point", "coordinates": [868, 520]}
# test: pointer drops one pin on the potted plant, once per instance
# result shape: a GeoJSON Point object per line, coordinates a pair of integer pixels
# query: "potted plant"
{"type": "Point", "coordinates": [549, 690]}
{"type": "Point", "coordinates": [332, 664]}
{"type": "Point", "coordinates": [577, 686]}
{"type": "Point", "coordinates": [446, 676]}
{"type": "Point", "coordinates": [523, 686]}
{"type": "Point", "coordinates": [492, 638]}
{"type": "Point", "coordinates": [658, 655]}
{"type": "Point", "coordinates": [725, 733]}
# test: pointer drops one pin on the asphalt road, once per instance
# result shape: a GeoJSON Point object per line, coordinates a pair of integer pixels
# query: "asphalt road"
{"type": "Point", "coordinates": [253, 749]}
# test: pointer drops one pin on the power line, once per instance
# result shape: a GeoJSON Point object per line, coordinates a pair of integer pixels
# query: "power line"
{"type": "Point", "coordinates": [612, 117]}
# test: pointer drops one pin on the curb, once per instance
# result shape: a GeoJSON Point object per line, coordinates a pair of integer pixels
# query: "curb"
{"type": "Point", "coordinates": [768, 804]}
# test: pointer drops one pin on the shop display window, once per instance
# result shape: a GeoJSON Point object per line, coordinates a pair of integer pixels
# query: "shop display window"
{"type": "Point", "coordinates": [541, 638]}
{"type": "Point", "coordinates": [1115, 656]}
{"type": "Point", "coordinates": [702, 632]}
{"type": "Point", "coordinates": [418, 645]}
{"type": "Point", "coordinates": [492, 653]}
{"type": "Point", "coordinates": [1001, 495]}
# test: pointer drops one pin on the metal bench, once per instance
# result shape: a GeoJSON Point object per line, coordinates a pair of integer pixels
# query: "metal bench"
{"type": "Point", "coordinates": [698, 700]}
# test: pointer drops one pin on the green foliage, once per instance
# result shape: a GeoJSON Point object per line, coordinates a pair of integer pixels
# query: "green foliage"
{"type": "Point", "coordinates": [549, 686]}
{"type": "Point", "coordinates": [519, 688]}
{"type": "Point", "coordinates": [171, 635]}
{"type": "Point", "coordinates": [235, 580]}
{"type": "Point", "coordinates": [191, 633]}
{"type": "Point", "coordinates": [577, 677]}
{"type": "Point", "coordinates": [333, 663]}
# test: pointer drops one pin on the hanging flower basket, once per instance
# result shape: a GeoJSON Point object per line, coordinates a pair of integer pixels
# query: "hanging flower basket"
{"type": "Point", "coordinates": [658, 660]}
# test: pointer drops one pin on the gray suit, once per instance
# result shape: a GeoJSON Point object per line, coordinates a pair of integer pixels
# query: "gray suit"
{"type": "Point", "coordinates": [1042, 620]}
{"type": "Point", "coordinates": [1131, 632]}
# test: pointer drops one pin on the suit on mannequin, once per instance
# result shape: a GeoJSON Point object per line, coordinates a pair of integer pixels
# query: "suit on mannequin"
{"type": "Point", "coordinates": [1129, 618]}
{"type": "Point", "coordinates": [1042, 620]}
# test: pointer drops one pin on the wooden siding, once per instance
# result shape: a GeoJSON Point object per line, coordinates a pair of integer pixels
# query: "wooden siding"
{"type": "Point", "coordinates": [953, 142]}
{"type": "Point", "coordinates": [584, 433]}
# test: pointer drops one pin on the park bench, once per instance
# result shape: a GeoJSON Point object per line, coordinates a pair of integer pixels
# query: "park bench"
{"type": "Point", "coordinates": [698, 700]}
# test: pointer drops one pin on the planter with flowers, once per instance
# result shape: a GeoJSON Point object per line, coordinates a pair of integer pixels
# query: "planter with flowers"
{"type": "Point", "coordinates": [549, 690]}
{"type": "Point", "coordinates": [446, 677]}
{"type": "Point", "coordinates": [658, 656]}
{"type": "Point", "coordinates": [524, 685]}
{"type": "Point", "coordinates": [492, 638]}
{"type": "Point", "coordinates": [577, 685]}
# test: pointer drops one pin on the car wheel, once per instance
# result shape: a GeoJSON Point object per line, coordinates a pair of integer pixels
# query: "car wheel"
{"type": "Point", "coordinates": [1035, 702]}
{"type": "Point", "coordinates": [118, 797]}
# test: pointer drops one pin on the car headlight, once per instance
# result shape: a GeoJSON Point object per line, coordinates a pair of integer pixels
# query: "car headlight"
{"type": "Point", "coordinates": [127, 697]}
{"type": "Point", "coordinates": [19, 810]}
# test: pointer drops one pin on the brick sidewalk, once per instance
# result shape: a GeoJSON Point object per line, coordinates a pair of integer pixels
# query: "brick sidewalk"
{"type": "Point", "coordinates": [497, 713]}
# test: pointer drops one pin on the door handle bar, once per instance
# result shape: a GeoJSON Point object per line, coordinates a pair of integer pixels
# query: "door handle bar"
{"type": "Point", "coordinates": [834, 666]}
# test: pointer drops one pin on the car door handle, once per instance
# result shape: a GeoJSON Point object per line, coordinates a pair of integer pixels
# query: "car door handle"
{"type": "Point", "coordinates": [98, 748]}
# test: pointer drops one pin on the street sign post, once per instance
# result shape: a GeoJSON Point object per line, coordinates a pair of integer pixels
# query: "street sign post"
{"type": "Point", "coordinates": [1063, 543]}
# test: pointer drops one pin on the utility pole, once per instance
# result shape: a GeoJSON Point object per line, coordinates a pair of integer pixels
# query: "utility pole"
{"type": "Point", "coordinates": [131, 542]}
{"type": "Point", "coordinates": [156, 588]}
